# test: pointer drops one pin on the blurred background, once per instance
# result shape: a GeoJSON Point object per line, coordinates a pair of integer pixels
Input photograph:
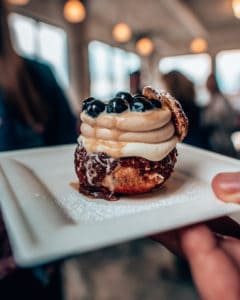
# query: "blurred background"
{"type": "Point", "coordinates": [98, 47]}
{"type": "Point", "coordinates": [93, 45]}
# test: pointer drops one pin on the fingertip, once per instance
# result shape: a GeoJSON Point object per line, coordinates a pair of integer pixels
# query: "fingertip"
{"type": "Point", "coordinates": [197, 239]}
{"type": "Point", "coordinates": [226, 186]}
{"type": "Point", "coordinates": [218, 180]}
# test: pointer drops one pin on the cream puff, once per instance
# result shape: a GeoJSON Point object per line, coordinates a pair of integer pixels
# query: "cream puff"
{"type": "Point", "coordinates": [128, 144]}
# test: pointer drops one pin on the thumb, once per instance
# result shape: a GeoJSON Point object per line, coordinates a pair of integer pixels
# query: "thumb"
{"type": "Point", "coordinates": [227, 186]}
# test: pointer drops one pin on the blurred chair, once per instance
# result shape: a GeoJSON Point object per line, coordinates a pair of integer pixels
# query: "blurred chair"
{"type": "Point", "coordinates": [135, 82]}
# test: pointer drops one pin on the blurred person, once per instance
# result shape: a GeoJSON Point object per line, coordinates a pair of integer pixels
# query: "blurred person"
{"type": "Point", "coordinates": [183, 90]}
{"type": "Point", "coordinates": [219, 120]}
{"type": "Point", "coordinates": [33, 113]}
{"type": "Point", "coordinates": [212, 249]}
{"type": "Point", "coordinates": [33, 109]}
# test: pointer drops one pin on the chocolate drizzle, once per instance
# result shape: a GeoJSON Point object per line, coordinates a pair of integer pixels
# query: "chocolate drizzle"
{"type": "Point", "coordinates": [92, 168]}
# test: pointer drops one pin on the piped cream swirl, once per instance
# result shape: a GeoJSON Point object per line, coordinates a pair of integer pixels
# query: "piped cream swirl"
{"type": "Point", "coordinates": [131, 121]}
{"type": "Point", "coordinates": [154, 152]}
{"type": "Point", "coordinates": [152, 136]}
{"type": "Point", "coordinates": [149, 134]}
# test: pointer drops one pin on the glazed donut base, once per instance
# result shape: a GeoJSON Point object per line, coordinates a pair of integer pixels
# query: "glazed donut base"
{"type": "Point", "coordinates": [102, 176]}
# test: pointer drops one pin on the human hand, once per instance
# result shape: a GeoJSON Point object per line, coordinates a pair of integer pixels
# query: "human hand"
{"type": "Point", "coordinates": [7, 263]}
{"type": "Point", "coordinates": [227, 187]}
{"type": "Point", "coordinates": [212, 249]}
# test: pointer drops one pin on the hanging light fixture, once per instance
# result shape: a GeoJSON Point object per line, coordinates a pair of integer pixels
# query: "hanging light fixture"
{"type": "Point", "coordinates": [144, 46]}
{"type": "Point", "coordinates": [198, 45]}
{"type": "Point", "coordinates": [74, 11]}
{"type": "Point", "coordinates": [122, 32]}
{"type": "Point", "coordinates": [18, 2]}
{"type": "Point", "coordinates": [236, 8]}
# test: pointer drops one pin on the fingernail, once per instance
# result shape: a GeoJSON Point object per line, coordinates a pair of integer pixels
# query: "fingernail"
{"type": "Point", "coordinates": [227, 186]}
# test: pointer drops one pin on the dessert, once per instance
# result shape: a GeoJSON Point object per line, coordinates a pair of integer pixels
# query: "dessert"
{"type": "Point", "coordinates": [128, 145]}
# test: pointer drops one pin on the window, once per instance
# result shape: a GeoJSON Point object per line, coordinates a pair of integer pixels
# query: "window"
{"type": "Point", "coordinates": [110, 68]}
{"type": "Point", "coordinates": [43, 42]}
{"type": "Point", "coordinates": [228, 71]}
{"type": "Point", "coordinates": [196, 67]}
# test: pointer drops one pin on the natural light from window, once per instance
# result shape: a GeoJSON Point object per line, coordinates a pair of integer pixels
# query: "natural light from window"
{"type": "Point", "coordinates": [110, 68]}
{"type": "Point", "coordinates": [24, 33]}
{"type": "Point", "coordinates": [228, 70]}
{"type": "Point", "coordinates": [43, 42]}
{"type": "Point", "coordinates": [196, 67]}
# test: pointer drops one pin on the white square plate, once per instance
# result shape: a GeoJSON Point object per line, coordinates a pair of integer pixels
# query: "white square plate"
{"type": "Point", "coordinates": [47, 219]}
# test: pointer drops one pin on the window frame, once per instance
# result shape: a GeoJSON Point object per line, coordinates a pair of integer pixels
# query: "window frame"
{"type": "Point", "coordinates": [36, 56]}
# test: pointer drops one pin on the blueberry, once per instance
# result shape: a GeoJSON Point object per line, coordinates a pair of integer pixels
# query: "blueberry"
{"type": "Point", "coordinates": [140, 104]}
{"type": "Point", "coordinates": [86, 102]}
{"type": "Point", "coordinates": [125, 96]}
{"type": "Point", "coordinates": [94, 108]}
{"type": "Point", "coordinates": [156, 103]}
{"type": "Point", "coordinates": [138, 95]}
{"type": "Point", "coordinates": [117, 105]}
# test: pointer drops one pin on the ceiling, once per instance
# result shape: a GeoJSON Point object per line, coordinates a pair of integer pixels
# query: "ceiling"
{"type": "Point", "coordinates": [172, 24]}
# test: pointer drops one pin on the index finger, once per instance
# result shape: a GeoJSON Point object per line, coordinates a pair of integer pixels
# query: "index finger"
{"type": "Point", "coordinates": [226, 186]}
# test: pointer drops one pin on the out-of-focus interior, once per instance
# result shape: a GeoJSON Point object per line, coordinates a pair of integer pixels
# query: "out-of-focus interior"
{"type": "Point", "coordinates": [88, 49]}
{"type": "Point", "coordinates": [98, 47]}
{"type": "Point", "coordinates": [95, 47]}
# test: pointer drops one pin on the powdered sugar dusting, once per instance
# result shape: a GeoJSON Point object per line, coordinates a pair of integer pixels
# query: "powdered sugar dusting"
{"type": "Point", "coordinates": [179, 189]}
